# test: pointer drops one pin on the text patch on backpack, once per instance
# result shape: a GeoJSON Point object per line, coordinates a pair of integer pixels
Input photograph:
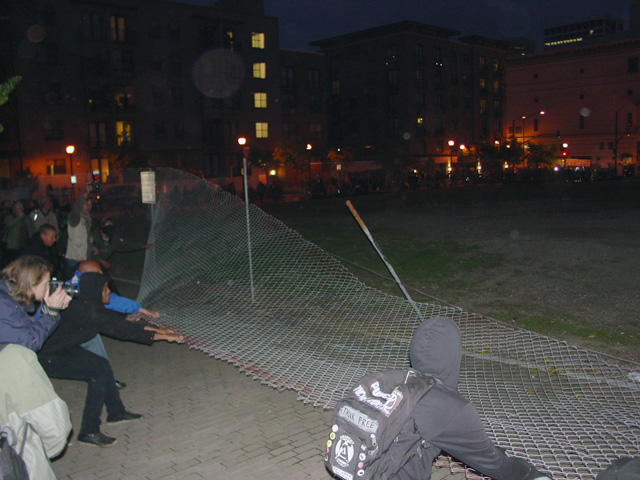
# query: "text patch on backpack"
{"type": "Point", "coordinates": [358, 418]}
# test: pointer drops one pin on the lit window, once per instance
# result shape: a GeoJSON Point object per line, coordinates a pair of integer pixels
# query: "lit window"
{"type": "Point", "coordinates": [124, 98]}
{"type": "Point", "coordinates": [118, 28]}
{"type": "Point", "coordinates": [262, 130]}
{"type": "Point", "coordinates": [257, 40]}
{"type": "Point", "coordinates": [420, 120]}
{"type": "Point", "coordinates": [123, 133]}
{"type": "Point", "coordinates": [260, 70]}
{"type": "Point", "coordinates": [260, 100]}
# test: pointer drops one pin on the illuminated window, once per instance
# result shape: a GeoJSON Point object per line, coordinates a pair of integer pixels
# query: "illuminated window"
{"type": "Point", "coordinates": [420, 121]}
{"type": "Point", "coordinates": [483, 107]}
{"type": "Point", "coordinates": [123, 133]}
{"type": "Point", "coordinates": [260, 100]}
{"type": "Point", "coordinates": [118, 28]}
{"type": "Point", "coordinates": [262, 130]}
{"type": "Point", "coordinates": [124, 99]}
{"type": "Point", "coordinates": [228, 40]}
{"type": "Point", "coordinates": [257, 40]}
{"type": "Point", "coordinates": [260, 70]}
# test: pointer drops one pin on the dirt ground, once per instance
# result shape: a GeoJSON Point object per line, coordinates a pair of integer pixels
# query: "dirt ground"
{"type": "Point", "coordinates": [566, 261]}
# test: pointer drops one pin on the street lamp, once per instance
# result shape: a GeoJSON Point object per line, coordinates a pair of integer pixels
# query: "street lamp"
{"type": "Point", "coordinates": [450, 166]}
{"type": "Point", "coordinates": [245, 153]}
{"type": "Point", "coordinates": [531, 115]}
{"type": "Point", "coordinates": [70, 149]}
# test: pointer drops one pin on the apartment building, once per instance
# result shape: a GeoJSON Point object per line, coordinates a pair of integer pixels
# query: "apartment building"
{"type": "Point", "coordinates": [138, 81]}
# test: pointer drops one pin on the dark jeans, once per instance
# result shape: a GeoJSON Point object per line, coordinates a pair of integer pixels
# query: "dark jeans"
{"type": "Point", "coordinates": [80, 364]}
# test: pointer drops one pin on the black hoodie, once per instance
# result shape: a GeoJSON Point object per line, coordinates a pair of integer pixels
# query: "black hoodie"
{"type": "Point", "coordinates": [436, 349]}
{"type": "Point", "coordinates": [447, 420]}
{"type": "Point", "coordinates": [86, 317]}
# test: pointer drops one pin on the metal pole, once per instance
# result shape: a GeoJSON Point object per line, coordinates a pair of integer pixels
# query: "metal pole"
{"type": "Point", "coordinates": [386, 262]}
{"type": "Point", "coordinates": [246, 204]}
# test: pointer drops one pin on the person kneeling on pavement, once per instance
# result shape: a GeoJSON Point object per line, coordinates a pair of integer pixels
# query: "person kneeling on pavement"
{"type": "Point", "coordinates": [445, 419]}
{"type": "Point", "coordinates": [62, 356]}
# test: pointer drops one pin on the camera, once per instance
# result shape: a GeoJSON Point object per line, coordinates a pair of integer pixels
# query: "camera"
{"type": "Point", "coordinates": [71, 290]}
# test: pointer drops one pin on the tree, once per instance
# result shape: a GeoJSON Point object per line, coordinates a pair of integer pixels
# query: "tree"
{"type": "Point", "coordinates": [541, 155]}
{"type": "Point", "coordinates": [5, 89]}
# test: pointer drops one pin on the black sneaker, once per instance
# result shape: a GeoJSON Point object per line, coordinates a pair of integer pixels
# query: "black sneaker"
{"type": "Point", "coordinates": [96, 439]}
{"type": "Point", "coordinates": [120, 384]}
{"type": "Point", "coordinates": [125, 417]}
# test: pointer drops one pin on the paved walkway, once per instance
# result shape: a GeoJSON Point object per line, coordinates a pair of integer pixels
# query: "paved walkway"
{"type": "Point", "coordinates": [203, 419]}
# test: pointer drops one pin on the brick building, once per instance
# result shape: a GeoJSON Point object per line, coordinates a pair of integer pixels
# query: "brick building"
{"type": "Point", "coordinates": [590, 96]}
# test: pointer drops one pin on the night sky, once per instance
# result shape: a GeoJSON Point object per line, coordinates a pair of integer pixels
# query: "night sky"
{"type": "Point", "coordinates": [303, 21]}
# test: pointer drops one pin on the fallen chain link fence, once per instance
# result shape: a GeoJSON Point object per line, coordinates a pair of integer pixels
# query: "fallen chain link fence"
{"type": "Point", "coordinates": [295, 318]}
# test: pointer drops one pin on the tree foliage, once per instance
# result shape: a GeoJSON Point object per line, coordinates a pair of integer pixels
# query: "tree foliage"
{"type": "Point", "coordinates": [7, 87]}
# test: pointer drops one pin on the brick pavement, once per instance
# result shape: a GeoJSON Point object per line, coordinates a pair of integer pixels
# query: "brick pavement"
{"type": "Point", "coordinates": [203, 419]}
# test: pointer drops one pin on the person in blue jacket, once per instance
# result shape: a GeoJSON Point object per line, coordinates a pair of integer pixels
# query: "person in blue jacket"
{"type": "Point", "coordinates": [62, 356]}
{"type": "Point", "coordinates": [116, 303]}
{"type": "Point", "coordinates": [23, 282]}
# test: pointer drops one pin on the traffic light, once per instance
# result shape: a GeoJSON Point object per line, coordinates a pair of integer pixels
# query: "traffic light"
{"type": "Point", "coordinates": [95, 182]}
{"type": "Point", "coordinates": [557, 133]}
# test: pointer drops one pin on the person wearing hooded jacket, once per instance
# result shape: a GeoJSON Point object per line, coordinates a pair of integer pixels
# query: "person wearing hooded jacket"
{"type": "Point", "coordinates": [34, 420]}
{"type": "Point", "coordinates": [62, 356]}
{"type": "Point", "coordinates": [445, 419]}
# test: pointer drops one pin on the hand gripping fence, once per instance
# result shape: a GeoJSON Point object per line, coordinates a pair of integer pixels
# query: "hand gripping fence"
{"type": "Point", "coordinates": [315, 328]}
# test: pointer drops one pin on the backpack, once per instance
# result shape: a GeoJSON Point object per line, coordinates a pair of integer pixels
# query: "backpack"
{"type": "Point", "coordinates": [622, 469]}
{"type": "Point", "coordinates": [373, 434]}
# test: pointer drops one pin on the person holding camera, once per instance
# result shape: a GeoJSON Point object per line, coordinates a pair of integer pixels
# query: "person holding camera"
{"type": "Point", "coordinates": [79, 246]}
{"type": "Point", "coordinates": [23, 282]}
{"type": "Point", "coordinates": [62, 355]}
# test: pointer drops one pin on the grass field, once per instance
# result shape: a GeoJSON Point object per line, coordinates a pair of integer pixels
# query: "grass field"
{"type": "Point", "coordinates": [558, 259]}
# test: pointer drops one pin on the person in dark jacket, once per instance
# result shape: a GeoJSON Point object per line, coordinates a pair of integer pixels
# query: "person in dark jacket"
{"type": "Point", "coordinates": [62, 356]}
{"type": "Point", "coordinates": [23, 282]}
{"type": "Point", "coordinates": [42, 245]}
{"type": "Point", "coordinates": [445, 419]}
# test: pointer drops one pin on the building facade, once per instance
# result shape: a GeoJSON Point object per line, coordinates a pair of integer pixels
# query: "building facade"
{"type": "Point", "coordinates": [586, 31]}
{"type": "Point", "coordinates": [165, 83]}
{"type": "Point", "coordinates": [410, 87]}
{"type": "Point", "coordinates": [590, 96]}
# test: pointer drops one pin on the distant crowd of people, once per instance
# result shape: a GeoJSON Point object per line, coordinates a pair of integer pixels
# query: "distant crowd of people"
{"type": "Point", "coordinates": [52, 329]}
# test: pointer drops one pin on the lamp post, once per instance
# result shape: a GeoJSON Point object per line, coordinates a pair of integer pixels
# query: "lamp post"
{"type": "Point", "coordinates": [524, 117]}
{"type": "Point", "coordinates": [245, 153]}
{"type": "Point", "coordinates": [70, 149]}
{"type": "Point", "coordinates": [450, 166]}
{"type": "Point", "coordinates": [309, 147]}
